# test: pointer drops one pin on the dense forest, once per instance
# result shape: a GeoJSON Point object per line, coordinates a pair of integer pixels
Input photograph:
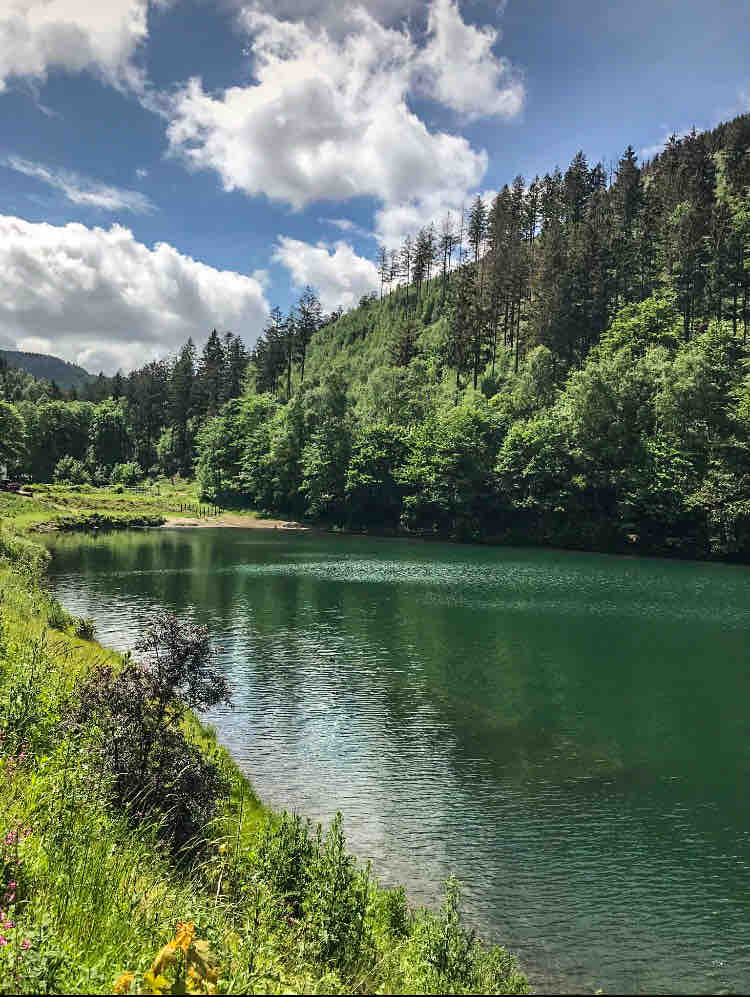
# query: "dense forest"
{"type": "Point", "coordinates": [566, 363]}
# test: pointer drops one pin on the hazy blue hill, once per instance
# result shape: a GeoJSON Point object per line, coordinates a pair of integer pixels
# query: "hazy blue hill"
{"type": "Point", "coordinates": [66, 375]}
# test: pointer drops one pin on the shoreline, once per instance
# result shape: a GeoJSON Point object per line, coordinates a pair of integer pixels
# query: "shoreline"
{"type": "Point", "coordinates": [231, 521]}
{"type": "Point", "coordinates": [401, 960]}
{"type": "Point", "coordinates": [240, 521]}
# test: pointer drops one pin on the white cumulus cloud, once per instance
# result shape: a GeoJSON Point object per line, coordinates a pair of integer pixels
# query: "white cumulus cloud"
{"type": "Point", "coordinates": [37, 36]}
{"type": "Point", "coordinates": [337, 273]}
{"type": "Point", "coordinates": [328, 117]}
{"type": "Point", "coordinates": [82, 190]}
{"type": "Point", "coordinates": [327, 120]}
{"type": "Point", "coordinates": [458, 68]}
{"type": "Point", "coordinates": [100, 298]}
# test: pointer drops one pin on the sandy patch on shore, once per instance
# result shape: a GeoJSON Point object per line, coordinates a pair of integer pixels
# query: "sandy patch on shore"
{"type": "Point", "coordinates": [233, 520]}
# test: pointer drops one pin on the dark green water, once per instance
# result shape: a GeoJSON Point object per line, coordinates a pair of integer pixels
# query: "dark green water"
{"type": "Point", "coordinates": [568, 733]}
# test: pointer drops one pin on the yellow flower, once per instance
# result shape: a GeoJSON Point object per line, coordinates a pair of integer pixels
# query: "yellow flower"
{"type": "Point", "coordinates": [185, 935]}
{"type": "Point", "coordinates": [156, 984]}
{"type": "Point", "coordinates": [122, 983]}
{"type": "Point", "coordinates": [164, 958]}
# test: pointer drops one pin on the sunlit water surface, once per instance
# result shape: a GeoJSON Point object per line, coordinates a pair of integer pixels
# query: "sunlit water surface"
{"type": "Point", "coordinates": [568, 733]}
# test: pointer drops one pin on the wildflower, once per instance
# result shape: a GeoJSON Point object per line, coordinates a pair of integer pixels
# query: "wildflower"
{"type": "Point", "coordinates": [165, 957]}
{"type": "Point", "coordinates": [122, 983]}
{"type": "Point", "coordinates": [3, 940]}
{"type": "Point", "coordinates": [157, 984]}
{"type": "Point", "coordinates": [25, 944]}
{"type": "Point", "coordinates": [185, 934]}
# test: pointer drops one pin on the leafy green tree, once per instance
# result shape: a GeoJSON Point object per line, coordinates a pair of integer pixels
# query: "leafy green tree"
{"type": "Point", "coordinates": [70, 471]}
{"type": "Point", "coordinates": [167, 453]}
{"type": "Point", "coordinates": [538, 479]}
{"type": "Point", "coordinates": [108, 435]}
{"type": "Point", "coordinates": [326, 452]}
{"type": "Point", "coordinates": [219, 447]}
{"type": "Point", "coordinates": [694, 403]}
{"type": "Point", "coordinates": [450, 472]}
{"type": "Point", "coordinates": [534, 388]}
{"type": "Point", "coordinates": [256, 477]}
{"type": "Point", "coordinates": [12, 441]}
{"type": "Point", "coordinates": [62, 430]}
{"type": "Point", "coordinates": [128, 473]}
{"type": "Point", "coordinates": [374, 487]}
{"type": "Point", "coordinates": [213, 460]}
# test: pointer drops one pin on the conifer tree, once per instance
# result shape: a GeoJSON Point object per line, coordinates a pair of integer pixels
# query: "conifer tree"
{"type": "Point", "coordinates": [446, 247]}
{"type": "Point", "coordinates": [462, 322]}
{"type": "Point", "coordinates": [406, 261]}
{"type": "Point", "coordinates": [309, 317]}
{"type": "Point", "coordinates": [477, 227]}
{"type": "Point", "coordinates": [212, 375]}
{"type": "Point", "coordinates": [183, 401]}
{"type": "Point", "coordinates": [383, 268]}
{"type": "Point", "coordinates": [236, 365]}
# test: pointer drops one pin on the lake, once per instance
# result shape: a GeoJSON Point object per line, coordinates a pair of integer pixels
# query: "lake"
{"type": "Point", "coordinates": [568, 733]}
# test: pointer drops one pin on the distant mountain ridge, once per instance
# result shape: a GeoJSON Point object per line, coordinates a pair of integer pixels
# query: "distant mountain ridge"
{"type": "Point", "coordinates": [43, 365]}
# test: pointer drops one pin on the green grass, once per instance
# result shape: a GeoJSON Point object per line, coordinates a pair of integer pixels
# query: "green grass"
{"type": "Point", "coordinates": [63, 506]}
{"type": "Point", "coordinates": [271, 908]}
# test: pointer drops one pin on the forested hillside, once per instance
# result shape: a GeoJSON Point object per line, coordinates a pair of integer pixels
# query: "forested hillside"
{"type": "Point", "coordinates": [566, 364]}
{"type": "Point", "coordinates": [42, 365]}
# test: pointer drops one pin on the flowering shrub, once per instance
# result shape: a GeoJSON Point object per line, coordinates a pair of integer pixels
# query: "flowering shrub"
{"type": "Point", "coordinates": [11, 866]}
{"type": "Point", "coordinates": [13, 941]}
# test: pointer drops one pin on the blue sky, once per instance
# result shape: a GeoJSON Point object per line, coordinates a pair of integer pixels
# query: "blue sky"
{"type": "Point", "coordinates": [171, 166]}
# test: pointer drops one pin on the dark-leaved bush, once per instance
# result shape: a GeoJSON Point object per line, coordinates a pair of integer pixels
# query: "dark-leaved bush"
{"type": "Point", "coordinates": [134, 718]}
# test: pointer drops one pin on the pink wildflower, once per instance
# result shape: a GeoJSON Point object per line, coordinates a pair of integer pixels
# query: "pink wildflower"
{"type": "Point", "coordinates": [25, 944]}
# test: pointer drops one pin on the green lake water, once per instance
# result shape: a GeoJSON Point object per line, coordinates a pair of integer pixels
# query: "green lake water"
{"type": "Point", "coordinates": [568, 733]}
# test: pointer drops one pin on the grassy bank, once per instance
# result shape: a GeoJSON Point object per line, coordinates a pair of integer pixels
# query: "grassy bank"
{"type": "Point", "coordinates": [87, 507]}
{"type": "Point", "coordinates": [94, 898]}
